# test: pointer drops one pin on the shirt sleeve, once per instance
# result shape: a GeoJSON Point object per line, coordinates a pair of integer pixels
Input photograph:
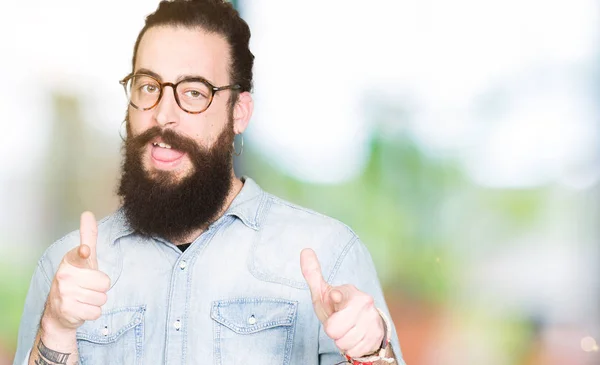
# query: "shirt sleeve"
{"type": "Point", "coordinates": [357, 268]}
{"type": "Point", "coordinates": [32, 313]}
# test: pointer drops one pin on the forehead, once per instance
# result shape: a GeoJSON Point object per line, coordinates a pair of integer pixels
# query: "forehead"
{"type": "Point", "coordinates": [175, 51]}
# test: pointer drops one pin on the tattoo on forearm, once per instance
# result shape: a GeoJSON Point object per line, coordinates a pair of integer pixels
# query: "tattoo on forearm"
{"type": "Point", "coordinates": [50, 357]}
{"type": "Point", "coordinates": [40, 361]}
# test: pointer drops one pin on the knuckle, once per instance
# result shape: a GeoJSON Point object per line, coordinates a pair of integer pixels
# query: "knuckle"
{"type": "Point", "coordinates": [332, 331]}
{"type": "Point", "coordinates": [351, 287]}
{"type": "Point", "coordinates": [365, 300]}
{"type": "Point", "coordinates": [340, 345]}
{"type": "Point", "coordinates": [62, 275]}
{"type": "Point", "coordinates": [101, 280]}
{"type": "Point", "coordinates": [106, 284]}
{"type": "Point", "coordinates": [62, 288]}
{"type": "Point", "coordinates": [329, 330]}
{"type": "Point", "coordinates": [103, 298]}
{"type": "Point", "coordinates": [95, 313]}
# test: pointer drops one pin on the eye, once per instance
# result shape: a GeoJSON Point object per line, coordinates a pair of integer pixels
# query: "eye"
{"type": "Point", "coordinates": [194, 94]}
{"type": "Point", "coordinates": [149, 88]}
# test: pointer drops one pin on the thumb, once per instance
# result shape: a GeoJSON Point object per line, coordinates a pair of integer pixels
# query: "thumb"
{"type": "Point", "coordinates": [88, 231]}
{"type": "Point", "coordinates": [339, 297]}
{"type": "Point", "coordinates": [78, 257]}
{"type": "Point", "coordinates": [311, 270]}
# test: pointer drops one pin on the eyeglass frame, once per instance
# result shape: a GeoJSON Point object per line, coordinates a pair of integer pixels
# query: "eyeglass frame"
{"type": "Point", "coordinates": [211, 87]}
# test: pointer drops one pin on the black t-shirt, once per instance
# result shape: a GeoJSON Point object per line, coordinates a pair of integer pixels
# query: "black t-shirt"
{"type": "Point", "coordinates": [184, 246]}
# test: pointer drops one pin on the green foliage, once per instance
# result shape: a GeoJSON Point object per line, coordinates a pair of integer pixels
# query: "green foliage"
{"type": "Point", "coordinates": [14, 283]}
{"type": "Point", "coordinates": [392, 206]}
{"type": "Point", "coordinates": [415, 212]}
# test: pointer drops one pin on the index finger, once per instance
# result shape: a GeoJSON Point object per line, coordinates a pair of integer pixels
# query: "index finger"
{"type": "Point", "coordinates": [311, 270]}
{"type": "Point", "coordinates": [88, 233]}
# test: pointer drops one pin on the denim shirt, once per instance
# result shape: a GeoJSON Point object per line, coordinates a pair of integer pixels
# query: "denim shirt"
{"type": "Point", "coordinates": [235, 296]}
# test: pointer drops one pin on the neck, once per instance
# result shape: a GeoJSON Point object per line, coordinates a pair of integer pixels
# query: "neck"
{"type": "Point", "coordinates": [234, 190]}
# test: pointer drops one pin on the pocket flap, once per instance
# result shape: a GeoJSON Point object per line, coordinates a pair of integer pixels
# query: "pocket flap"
{"type": "Point", "coordinates": [249, 315]}
{"type": "Point", "coordinates": [111, 325]}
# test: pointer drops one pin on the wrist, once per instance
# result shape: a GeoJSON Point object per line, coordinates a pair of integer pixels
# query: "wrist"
{"type": "Point", "coordinates": [51, 327]}
{"type": "Point", "coordinates": [387, 330]}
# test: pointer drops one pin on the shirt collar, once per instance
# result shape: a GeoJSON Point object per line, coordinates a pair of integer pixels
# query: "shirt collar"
{"type": "Point", "coordinates": [120, 226]}
{"type": "Point", "coordinates": [248, 206]}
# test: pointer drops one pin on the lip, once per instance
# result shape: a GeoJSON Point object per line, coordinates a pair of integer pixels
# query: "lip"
{"type": "Point", "coordinates": [163, 164]}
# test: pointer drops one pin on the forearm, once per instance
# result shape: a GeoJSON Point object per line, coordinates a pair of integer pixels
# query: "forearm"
{"type": "Point", "coordinates": [54, 347]}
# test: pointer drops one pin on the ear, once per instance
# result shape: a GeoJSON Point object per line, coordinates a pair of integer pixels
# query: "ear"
{"type": "Point", "coordinates": [242, 112]}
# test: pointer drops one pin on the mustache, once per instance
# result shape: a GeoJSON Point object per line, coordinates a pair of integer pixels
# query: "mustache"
{"type": "Point", "coordinates": [168, 136]}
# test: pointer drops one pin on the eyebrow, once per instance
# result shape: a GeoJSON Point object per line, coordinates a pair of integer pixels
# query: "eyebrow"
{"type": "Point", "coordinates": [157, 76]}
{"type": "Point", "coordinates": [148, 72]}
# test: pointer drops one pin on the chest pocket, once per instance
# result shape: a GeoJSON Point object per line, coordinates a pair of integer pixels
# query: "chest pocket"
{"type": "Point", "coordinates": [114, 338]}
{"type": "Point", "coordinates": [253, 330]}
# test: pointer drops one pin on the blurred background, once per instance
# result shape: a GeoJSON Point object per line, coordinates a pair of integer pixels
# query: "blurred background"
{"type": "Point", "coordinates": [459, 139]}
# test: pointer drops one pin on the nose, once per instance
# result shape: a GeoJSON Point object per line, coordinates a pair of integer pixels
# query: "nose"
{"type": "Point", "coordinates": [167, 111]}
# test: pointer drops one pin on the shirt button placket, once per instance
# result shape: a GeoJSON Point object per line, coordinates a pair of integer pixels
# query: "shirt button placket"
{"type": "Point", "coordinates": [177, 324]}
{"type": "Point", "coordinates": [177, 312]}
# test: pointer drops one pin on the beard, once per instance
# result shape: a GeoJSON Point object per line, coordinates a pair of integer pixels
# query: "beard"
{"type": "Point", "coordinates": [157, 203]}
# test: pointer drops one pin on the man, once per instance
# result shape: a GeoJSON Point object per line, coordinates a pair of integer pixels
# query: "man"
{"type": "Point", "coordinates": [198, 266]}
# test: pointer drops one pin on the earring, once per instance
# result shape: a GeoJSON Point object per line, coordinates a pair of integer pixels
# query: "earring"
{"type": "Point", "coordinates": [235, 151]}
{"type": "Point", "coordinates": [121, 132]}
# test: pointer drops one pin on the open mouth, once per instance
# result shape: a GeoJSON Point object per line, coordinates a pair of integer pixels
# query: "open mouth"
{"type": "Point", "coordinates": [164, 155]}
{"type": "Point", "coordinates": [162, 145]}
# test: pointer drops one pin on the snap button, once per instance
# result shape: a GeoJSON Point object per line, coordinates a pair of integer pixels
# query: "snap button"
{"type": "Point", "coordinates": [105, 331]}
{"type": "Point", "coordinates": [252, 319]}
{"type": "Point", "coordinates": [182, 265]}
{"type": "Point", "coordinates": [177, 325]}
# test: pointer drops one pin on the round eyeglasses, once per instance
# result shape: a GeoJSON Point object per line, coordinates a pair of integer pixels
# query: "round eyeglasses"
{"type": "Point", "coordinates": [193, 95]}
